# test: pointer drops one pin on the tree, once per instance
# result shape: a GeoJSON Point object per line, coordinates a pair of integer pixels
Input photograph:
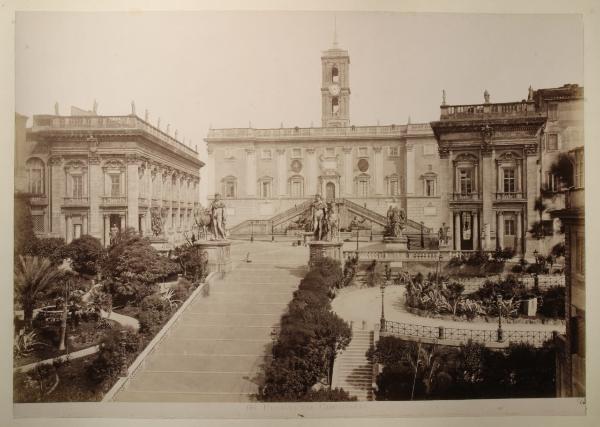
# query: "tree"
{"type": "Point", "coordinates": [23, 233]}
{"type": "Point", "coordinates": [52, 248]}
{"type": "Point", "coordinates": [132, 266]}
{"type": "Point", "coordinates": [85, 253]}
{"type": "Point", "coordinates": [33, 276]}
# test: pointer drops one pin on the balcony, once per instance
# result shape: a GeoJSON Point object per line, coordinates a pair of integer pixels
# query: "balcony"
{"type": "Point", "coordinates": [39, 200]}
{"type": "Point", "coordinates": [520, 196]}
{"type": "Point", "coordinates": [155, 202]}
{"type": "Point", "coordinates": [76, 202]}
{"type": "Point", "coordinates": [114, 201]}
{"type": "Point", "coordinates": [143, 202]}
{"type": "Point", "coordinates": [486, 111]}
{"type": "Point", "coordinates": [466, 197]}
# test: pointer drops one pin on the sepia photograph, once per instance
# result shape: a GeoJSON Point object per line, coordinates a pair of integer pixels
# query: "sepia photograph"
{"type": "Point", "coordinates": [265, 207]}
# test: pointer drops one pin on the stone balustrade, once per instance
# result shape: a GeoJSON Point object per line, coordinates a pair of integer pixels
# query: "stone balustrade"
{"type": "Point", "coordinates": [480, 111]}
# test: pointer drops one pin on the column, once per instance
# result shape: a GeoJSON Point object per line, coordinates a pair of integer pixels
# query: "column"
{"type": "Point", "coordinates": [475, 230]}
{"type": "Point", "coordinates": [500, 233]}
{"type": "Point", "coordinates": [499, 175]}
{"type": "Point", "coordinates": [106, 230]}
{"type": "Point", "coordinates": [123, 222]}
{"type": "Point", "coordinates": [250, 172]}
{"type": "Point", "coordinates": [95, 187]}
{"type": "Point", "coordinates": [84, 225]}
{"type": "Point", "coordinates": [519, 176]}
{"type": "Point", "coordinates": [519, 243]}
{"type": "Point", "coordinates": [457, 239]}
{"type": "Point", "coordinates": [281, 172]}
{"type": "Point", "coordinates": [410, 169]}
{"type": "Point", "coordinates": [133, 192]}
{"type": "Point", "coordinates": [348, 182]}
{"type": "Point", "coordinates": [487, 191]}
{"type": "Point", "coordinates": [378, 170]}
{"type": "Point", "coordinates": [311, 172]}
{"type": "Point", "coordinates": [57, 194]}
{"type": "Point", "coordinates": [531, 188]}
{"type": "Point", "coordinates": [69, 228]}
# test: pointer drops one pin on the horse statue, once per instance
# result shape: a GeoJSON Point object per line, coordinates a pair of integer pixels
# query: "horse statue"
{"type": "Point", "coordinates": [202, 220]}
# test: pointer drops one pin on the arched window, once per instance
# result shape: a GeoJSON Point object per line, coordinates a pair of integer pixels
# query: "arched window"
{"type": "Point", "coordinates": [35, 176]}
{"type": "Point", "coordinates": [335, 105]}
{"type": "Point", "coordinates": [229, 187]}
{"type": "Point", "coordinates": [335, 75]}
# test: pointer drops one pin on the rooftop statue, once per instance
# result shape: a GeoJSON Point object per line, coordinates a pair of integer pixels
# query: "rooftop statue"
{"type": "Point", "coordinates": [396, 220]}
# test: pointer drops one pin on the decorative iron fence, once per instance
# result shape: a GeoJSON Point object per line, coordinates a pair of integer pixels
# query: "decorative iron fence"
{"type": "Point", "coordinates": [483, 336]}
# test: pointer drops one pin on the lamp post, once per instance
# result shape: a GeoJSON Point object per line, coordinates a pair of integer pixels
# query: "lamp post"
{"type": "Point", "coordinates": [252, 231]}
{"type": "Point", "coordinates": [500, 332]}
{"type": "Point", "coordinates": [371, 236]}
{"type": "Point", "coordinates": [438, 268]}
{"type": "Point", "coordinates": [382, 320]}
{"type": "Point", "coordinates": [422, 240]}
{"type": "Point", "coordinates": [272, 233]}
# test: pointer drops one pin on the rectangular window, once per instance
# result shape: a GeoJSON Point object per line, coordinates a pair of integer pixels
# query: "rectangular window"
{"type": "Point", "coordinates": [77, 186]}
{"type": "Point", "coordinates": [230, 189]}
{"type": "Point", "coordinates": [297, 188]}
{"type": "Point", "coordinates": [296, 152]}
{"type": "Point", "coordinates": [363, 187]}
{"type": "Point", "coordinates": [509, 182]}
{"type": "Point", "coordinates": [465, 181]}
{"type": "Point", "coordinates": [552, 182]}
{"type": "Point", "coordinates": [509, 227]}
{"type": "Point", "coordinates": [394, 152]}
{"type": "Point", "coordinates": [552, 111]}
{"type": "Point", "coordinates": [363, 151]}
{"type": "Point", "coordinates": [428, 150]}
{"type": "Point", "coordinates": [266, 154]}
{"type": "Point", "coordinates": [266, 189]}
{"type": "Point", "coordinates": [115, 185]}
{"type": "Point", "coordinates": [430, 187]}
{"type": "Point", "coordinates": [394, 187]}
{"type": "Point", "coordinates": [552, 142]}
{"type": "Point", "coordinates": [38, 223]}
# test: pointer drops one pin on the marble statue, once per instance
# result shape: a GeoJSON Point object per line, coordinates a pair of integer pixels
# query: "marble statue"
{"type": "Point", "coordinates": [318, 215]}
{"type": "Point", "coordinates": [218, 218]}
{"type": "Point", "coordinates": [396, 220]}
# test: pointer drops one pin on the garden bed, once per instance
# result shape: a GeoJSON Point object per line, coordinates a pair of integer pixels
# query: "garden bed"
{"type": "Point", "coordinates": [488, 319]}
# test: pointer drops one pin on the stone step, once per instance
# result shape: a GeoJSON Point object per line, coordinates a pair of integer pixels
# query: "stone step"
{"type": "Point", "coordinates": [239, 308]}
{"type": "Point", "coordinates": [208, 363]}
{"type": "Point", "coordinates": [230, 319]}
{"type": "Point", "coordinates": [182, 382]}
{"type": "Point", "coordinates": [160, 396]}
{"type": "Point", "coordinates": [211, 346]}
{"type": "Point", "coordinates": [223, 332]}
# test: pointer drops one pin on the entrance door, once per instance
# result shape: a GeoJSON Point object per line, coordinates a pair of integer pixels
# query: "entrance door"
{"type": "Point", "coordinates": [510, 234]}
{"type": "Point", "coordinates": [330, 191]}
{"type": "Point", "coordinates": [466, 231]}
{"type": "Point", "coordinates": [76, 231]}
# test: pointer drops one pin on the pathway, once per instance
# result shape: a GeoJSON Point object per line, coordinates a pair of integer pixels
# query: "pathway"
{"type": "Point", "coordinates": [216, 352]}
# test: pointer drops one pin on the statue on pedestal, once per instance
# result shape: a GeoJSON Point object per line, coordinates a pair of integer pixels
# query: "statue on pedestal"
{"type": "Point", "coordinates": [396, 220]}
{"type": "Point", "coordinates": [443, 234]}
{"type": "Point", "coordinates": [156, 223]}
{"type": "Point", "coordinates": [218, 218]}
{"type": "Point", "coordinates": [333, 223]}
{"type": "Point", "coordinates": [114, 232]}
{"type": "Point", "coordinates": [318, 215]}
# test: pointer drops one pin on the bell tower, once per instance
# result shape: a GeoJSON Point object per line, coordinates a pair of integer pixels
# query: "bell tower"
{"type": "Point", "coordinates": [335, 90]}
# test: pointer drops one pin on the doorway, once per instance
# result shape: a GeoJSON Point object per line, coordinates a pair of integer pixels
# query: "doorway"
{"type": "Point", "coordinates": [330, 191]}
{"type": "Point", "coordinates": [510, 234]}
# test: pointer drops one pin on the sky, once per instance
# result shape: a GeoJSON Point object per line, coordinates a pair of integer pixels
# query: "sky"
{"type": "Point", "coordinates": [195, 70]}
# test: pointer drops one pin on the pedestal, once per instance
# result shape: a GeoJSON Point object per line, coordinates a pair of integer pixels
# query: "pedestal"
{"type": "Point", "coordinates": [396, 243]}
{"type": "Point", "coordinates": [320, 249]}
{"type": "Point", "coordinates": [219, 255]}
{"type": "Point", "coordinates": [161, 244]}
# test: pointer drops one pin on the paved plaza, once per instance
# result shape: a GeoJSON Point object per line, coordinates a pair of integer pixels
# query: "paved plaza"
{"type": "Point", "coordinates": [216, 352]}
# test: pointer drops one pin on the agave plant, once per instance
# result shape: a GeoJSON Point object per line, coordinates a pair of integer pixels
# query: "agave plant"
{"type": "Point", "coordinates": [168, 296]}
{"type": "Point", "coordinates": [26, 343]}
{"type": "Point", "coordinates": [471, 308]}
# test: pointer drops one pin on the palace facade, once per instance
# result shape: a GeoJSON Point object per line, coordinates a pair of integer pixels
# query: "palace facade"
{"type": "Point", "coordinates": [87, 174]}
{"type": "Point", "coordinates": [476, 172]}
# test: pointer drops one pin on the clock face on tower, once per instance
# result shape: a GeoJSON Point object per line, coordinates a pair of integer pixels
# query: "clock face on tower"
{"type": "Point", "coordinates": [334, 89]}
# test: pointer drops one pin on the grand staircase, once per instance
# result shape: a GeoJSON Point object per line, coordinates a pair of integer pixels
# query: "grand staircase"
{"type": "Point", "coordinates": [352, 370]}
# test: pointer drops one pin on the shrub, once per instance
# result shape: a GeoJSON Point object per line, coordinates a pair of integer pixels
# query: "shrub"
{"type": "Point", "coordinates": [553, 302]}
{"type": "Point", "coordinates": [117, 347]}
{"type": "Point", "coordinates": [328, 395]}
{"type": "Point", "coordinates": [477, 259]}
{"type": "Point", "coordinates": [181, 290]}
{"type": "Point", "coordinates": [331, 271]}
{"type": "Point", "coordinates": [503, 254]}
{"type": "Point", "coordinates": [86, 253]}
{"type": "Point", "coordinates": [53, 248]}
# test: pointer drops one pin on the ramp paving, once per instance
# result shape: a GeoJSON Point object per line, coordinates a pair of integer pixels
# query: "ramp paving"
{"type": "Point", "coordinates": [217, 350]}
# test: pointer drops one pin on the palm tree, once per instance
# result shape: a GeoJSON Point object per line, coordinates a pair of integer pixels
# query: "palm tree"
{"type": "Point", "coordinates": [32, 276]}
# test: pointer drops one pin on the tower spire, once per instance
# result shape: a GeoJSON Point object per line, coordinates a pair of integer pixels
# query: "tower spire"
{"type": "Point", "coordinates": [335, 41]}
